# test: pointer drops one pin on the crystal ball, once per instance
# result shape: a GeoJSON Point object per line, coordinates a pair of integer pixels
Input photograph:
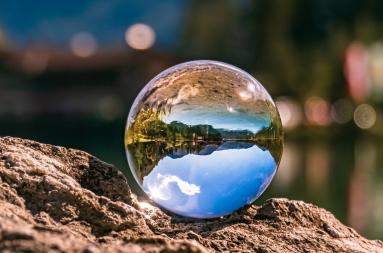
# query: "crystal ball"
{"type": "Point", "coordinates": [203, 139]}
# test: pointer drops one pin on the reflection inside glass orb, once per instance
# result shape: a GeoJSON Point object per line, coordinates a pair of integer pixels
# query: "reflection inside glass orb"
{"type": "Point", "coordinates": [203, 139]}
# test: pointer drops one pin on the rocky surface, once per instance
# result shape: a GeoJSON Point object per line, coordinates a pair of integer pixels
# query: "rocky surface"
{"type": "Point", "coordinates": [63, 200]}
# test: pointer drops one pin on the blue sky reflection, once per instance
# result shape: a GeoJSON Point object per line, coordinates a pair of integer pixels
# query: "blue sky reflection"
{"type": "Point", "coordinates": [212, 185]}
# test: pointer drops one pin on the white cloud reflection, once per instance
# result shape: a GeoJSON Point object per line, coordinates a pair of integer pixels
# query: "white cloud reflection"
{"type": "Point", "coordinates": [161, 187]}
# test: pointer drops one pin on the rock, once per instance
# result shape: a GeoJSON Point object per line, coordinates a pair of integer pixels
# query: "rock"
{"type": "Point", "coordinates": [64, 200]}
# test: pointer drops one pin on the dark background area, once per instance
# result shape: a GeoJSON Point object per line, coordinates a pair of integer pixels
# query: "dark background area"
{"type": "Point", "coordinates": [70, 70]}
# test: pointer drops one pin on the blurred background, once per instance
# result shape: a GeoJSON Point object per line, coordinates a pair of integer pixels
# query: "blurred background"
{"type": "Point", "coordinates": [69, 71]}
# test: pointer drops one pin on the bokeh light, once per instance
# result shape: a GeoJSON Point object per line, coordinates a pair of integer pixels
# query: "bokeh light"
{"type": "Point", "coordinates": [365, 116]}
{"type": "Point", "coordinates": [317, 111]}
{"type": "Point", "coordinates": [140, 36]}
{"type": "Point", "coordinates": [83, 44]}
{"type": "Point", "coordinates": [35, 61]}
{"type": "Point", "coordinates": [290, 112]}
{"type": "Point", "coordinates": [355, 69]}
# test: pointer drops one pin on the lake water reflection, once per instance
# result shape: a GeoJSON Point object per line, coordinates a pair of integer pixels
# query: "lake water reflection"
{"type": "Point", "coordinates": [204, 179]}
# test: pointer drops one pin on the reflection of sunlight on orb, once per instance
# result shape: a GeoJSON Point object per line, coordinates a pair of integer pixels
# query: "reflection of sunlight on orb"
{"type": "Point", "coordinates": [342, 111]}
{"type": "Point", "coordinates": [290, 112]}
{"type": "Point", "coordinates": [35, 62]}
{"type": "Point", "coordinates": [244, 95]}
{"type": "Point", "coordinates": [140, 36]}
{"type": "Point", "coordinates": [83, 44]}
{"type": "Point", "coordinates": [230, 109]}
{"type": "Point", "coordinates": [365, 116]}
{"type": "Point", "coordinates": [317, 111]}
{"type": "Point", "coordinates": [251, 87]}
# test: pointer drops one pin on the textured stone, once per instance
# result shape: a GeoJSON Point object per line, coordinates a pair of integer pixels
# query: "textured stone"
{"type": "Point", "coordinates": [63, 200]}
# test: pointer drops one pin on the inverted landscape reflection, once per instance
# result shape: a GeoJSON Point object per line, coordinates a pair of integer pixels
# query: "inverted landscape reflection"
{"type": "Point", "coordinates": [204, 180]}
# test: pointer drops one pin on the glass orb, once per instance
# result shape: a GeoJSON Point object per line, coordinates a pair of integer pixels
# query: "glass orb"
{"type": "Point", "coordinates": [203, 139]}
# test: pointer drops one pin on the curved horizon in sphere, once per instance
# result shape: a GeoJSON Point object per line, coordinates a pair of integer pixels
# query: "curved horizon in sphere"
{"type": "Point", "coordinates": [203, 139]}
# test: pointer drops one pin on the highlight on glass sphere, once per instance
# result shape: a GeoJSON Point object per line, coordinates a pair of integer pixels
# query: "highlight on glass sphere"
{"type": "Point", "coordinates": [203, 139]}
